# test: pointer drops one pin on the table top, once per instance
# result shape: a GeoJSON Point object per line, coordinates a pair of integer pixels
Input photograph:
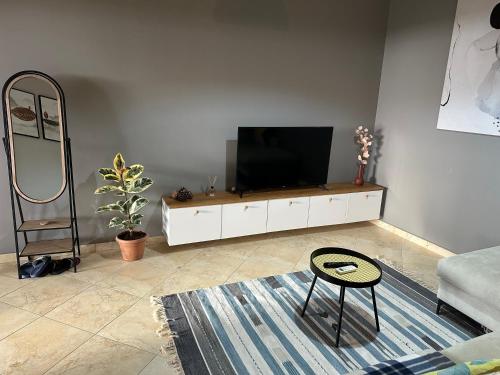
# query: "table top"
{"type": "Point", "coordinates": [368, 273]}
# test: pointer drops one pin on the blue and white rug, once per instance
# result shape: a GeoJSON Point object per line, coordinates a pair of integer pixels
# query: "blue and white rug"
{"type": "Point", "coordinates": [255, 327]}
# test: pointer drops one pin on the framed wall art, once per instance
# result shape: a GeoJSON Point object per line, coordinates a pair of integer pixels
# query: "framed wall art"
{"type": "Point", "coordinates": [23, 113]}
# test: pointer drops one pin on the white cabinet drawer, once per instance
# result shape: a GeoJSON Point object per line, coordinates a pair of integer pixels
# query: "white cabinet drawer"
{"type": "Point", "coordinates": [193, 224]}
{"type": "Point", "coordinates": [244, 219]}
{"type": "Point", "coordinates": [328, 210]}
{"type": "Point", "coordinates": [364, 206]}
{"type": "Point", "coordinates": [284, 214]}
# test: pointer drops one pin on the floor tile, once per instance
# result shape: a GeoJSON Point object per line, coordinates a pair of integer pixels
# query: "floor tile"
{"type": "Point", "coordinates": [102, 356]}
{"type": "Point", "coordinates": [93, 309]}
{"type": "Point", "coordinates": [421, 264]}
{"type": "Point", "coordinates": [135, 327]}
{"type": "Point", "coordinates": [160, 254]}
{"type": "Point", "coordinates": [44, 294]}
{"type": "Point", "coordinates": [37, 347]}
{"type": "Point", "coordinates": [8, 269]}
{"type": "Point", "coordinates": [12, 319]}
{"type": "Point", "coordinates": [136, 278]}
{"type": "Point", "coordinates": [10, 284]}
{"type": "Point", "coordinates": [95, 267]}
{"type": "Point", "coordinates": [260, 267]}
{"type": "Point", "coordinates": [183, 282]}
{"type": "Point", "coordinates": [159, 365]}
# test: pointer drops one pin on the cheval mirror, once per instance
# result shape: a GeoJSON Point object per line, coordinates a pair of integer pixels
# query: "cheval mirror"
{"type": "Point", "coordinates": [39, 162]}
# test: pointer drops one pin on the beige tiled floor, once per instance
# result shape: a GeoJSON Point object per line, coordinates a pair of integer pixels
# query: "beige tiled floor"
{"type": "Point", "coordinates": [99, 320]}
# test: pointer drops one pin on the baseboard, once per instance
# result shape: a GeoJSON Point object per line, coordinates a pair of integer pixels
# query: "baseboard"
{"type": "Point", "coordinates": [415, 239]}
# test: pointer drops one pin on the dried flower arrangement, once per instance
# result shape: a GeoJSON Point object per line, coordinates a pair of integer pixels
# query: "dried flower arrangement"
{"type": "Point", "coordinates": [365, 139]}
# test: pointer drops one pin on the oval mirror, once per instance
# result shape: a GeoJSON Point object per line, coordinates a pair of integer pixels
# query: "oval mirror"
{"type": "Point", "coordinates": [34, 111]}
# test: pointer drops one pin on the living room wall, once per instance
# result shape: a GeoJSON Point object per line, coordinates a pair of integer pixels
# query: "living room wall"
{"type": "Point", "coordinates": [167, 83]}
{"type": "Point", "coordinates": [442, 185]}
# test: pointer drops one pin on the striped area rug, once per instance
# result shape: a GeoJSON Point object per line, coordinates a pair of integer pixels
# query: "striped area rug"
{"type": "Point", "coordinates": [255, 327]}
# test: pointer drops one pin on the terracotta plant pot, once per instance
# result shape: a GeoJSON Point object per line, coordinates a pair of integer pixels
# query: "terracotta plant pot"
{"type": "Point", "coordinates": [132, 249]}
{"type": "Point", "coordinates": [360, 177]}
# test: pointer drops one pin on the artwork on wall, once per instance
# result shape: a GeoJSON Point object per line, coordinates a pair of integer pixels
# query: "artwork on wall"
{"type": "Point", "coordinates": [471, 94]}
{"type": "Point", "coordinates": [23, 113]}
{"type": "Point", "coordinates": [50, 118]}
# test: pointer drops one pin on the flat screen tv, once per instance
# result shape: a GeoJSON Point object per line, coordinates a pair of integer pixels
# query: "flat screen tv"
{"type": "Point", "coordinates": [279, 157]}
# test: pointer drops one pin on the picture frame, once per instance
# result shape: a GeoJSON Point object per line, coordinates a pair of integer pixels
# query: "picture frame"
{"type": "Point", "coordinates": [23, 113]}
{"type": "Point", "coordinates": [469, 101]}
{"type": "Point", "coordinates": [49, 115]}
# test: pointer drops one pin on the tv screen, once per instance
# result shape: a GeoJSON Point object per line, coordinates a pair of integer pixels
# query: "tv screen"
{"type": "Point", "coordinates": [275, 157]}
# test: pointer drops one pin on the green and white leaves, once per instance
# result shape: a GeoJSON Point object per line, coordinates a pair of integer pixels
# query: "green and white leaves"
{"type": "Point", "coordinates": [125, 182]}
{"type": "Point", "coordinates": [136, 203]}
{"type": "Point", "coordinates": [136, 219]}
{"type": "Point", "coordinates": [106, 189]}
{"type": "Point", "coordinates": [133, 172]}
{"type": "Point", "coordinates": [118, 222]}
{"type": "Point", "coordinates": [139, 185]}
{"type": "Point", "coordinates": [111, 207]}
{"type": "Point", "coordinates": [119, 163]}
{"type": "Point", "coordinates": [106, 171]}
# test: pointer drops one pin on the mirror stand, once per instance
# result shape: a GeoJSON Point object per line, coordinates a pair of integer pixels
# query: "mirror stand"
{"type": "Point", "coordinates": [50, 169]}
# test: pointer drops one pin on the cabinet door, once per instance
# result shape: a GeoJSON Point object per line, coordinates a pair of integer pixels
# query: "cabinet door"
{"type": "Point", "coordinates": [284, 214]}
{"type": "Point", "coordinates": [244, 219]}
{"type": "Point", "coordinates": [193, 224]}
{"type": "Point", "coordinates": [364, 206]}
{"type": "Point", "coordinates": [327, 210]}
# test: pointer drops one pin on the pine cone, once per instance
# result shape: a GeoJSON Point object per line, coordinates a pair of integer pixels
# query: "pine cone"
{"type": "Point", "coordinates": [182, 195]}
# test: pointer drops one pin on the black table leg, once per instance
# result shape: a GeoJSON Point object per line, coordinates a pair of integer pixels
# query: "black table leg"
{"type": "Point", "coordinates": [309, 295]}
{"type": "Point", "coordinates": [375, 308]}
{"type": "Point", "coordinates": [438, 307]}
{"type": "Point", "coordinates": [339, 325]}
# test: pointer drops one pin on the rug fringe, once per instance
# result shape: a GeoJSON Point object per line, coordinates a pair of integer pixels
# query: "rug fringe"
{"type": "Point", "coordinates": [164, 331]}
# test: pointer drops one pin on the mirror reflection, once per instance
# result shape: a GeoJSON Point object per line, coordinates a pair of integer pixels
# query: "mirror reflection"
{"type": "Point", "coordinates": [36, 138]}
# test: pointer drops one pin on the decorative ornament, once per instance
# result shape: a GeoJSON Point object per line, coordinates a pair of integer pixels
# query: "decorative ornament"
{"type": "Point", "coordinates": [211, 186]}
{"type": "Point", "coordinates": [364, 139]}
{"type": "Point", "coordinates": [182, 194]}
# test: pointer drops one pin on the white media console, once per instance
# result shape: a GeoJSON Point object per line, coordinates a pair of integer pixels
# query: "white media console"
{"type": "Point", "coordinates": [227, 215]}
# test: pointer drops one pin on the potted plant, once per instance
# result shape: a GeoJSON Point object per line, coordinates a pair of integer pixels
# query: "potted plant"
{"type": "Point", "coordinates": [126, 182]}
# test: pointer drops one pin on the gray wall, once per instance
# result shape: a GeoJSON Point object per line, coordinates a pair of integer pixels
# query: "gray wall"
{"type": "Point", "coordinates": [442, 185]}
{"type": "Point", "coordinates": [168, 82]}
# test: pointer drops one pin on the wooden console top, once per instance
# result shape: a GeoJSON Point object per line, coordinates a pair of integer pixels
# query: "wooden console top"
{"type": "Point", "coordinates": [223, 197]}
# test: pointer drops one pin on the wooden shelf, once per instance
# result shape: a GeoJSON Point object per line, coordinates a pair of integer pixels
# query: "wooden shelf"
{"type": "Point", "coordinates": [223, 197]}
{"type": "Point", "coordinates": [47, 247]}
{"type": "Point", "coordinates": [44, 224]}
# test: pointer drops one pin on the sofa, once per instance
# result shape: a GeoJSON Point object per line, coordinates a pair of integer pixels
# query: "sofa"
{"type": "Point", "coordinates": [470, 283]}
{"type": "Point", "coordinates": [482, 347]}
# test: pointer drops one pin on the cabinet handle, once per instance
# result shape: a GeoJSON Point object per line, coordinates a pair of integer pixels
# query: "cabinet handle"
{"type": "Point", "coordinates": [245, 208]}
{"type": "Point", "coordinates": [330, 200]}
{"type": "Point", "coordinates": [196, 212]}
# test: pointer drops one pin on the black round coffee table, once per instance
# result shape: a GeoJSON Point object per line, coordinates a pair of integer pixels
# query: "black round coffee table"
{"type": "Point", "coordinates": [367, 275]}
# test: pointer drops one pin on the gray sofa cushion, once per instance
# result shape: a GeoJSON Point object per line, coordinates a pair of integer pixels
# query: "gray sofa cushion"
{"type": "Point", "coordinates": [476, 273]}
{"type": "Point", "coordinates": [482, 347]}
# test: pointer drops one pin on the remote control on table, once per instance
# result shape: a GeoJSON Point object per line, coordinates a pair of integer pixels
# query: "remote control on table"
{"type": "Point", "coordinates": [339, 264]}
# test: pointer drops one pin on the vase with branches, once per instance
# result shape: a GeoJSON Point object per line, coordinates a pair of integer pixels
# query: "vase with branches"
{"type": "Point", "coordinates": [126, 183]}
{"type": "Point", "coordinates": [364, 139]}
